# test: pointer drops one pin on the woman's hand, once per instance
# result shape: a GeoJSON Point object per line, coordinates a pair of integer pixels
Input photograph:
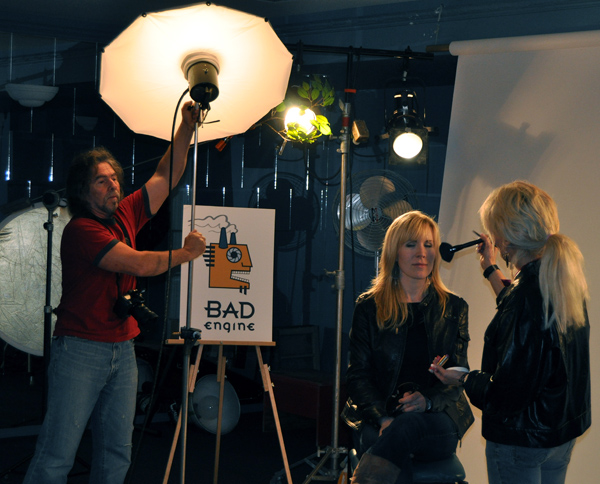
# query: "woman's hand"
{"type": "Point", "coordinates": [447, 377]}
{"type": "Point", "coordinates": [412, 402]}
{"type": "Point", "coordinates": [487, 258]}
{"type": "Point", "coordinates": [486, 251]}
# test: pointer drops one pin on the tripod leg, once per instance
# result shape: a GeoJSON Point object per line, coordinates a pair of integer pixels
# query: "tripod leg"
{"type": "Point", "coordinates": [172, 453]}
{"type": "Point", "coordinates": [221, 380]}
{"type": "Point", "coordinates": [268, 387]}
{"type": "Point", "coordinates": [191, 386]}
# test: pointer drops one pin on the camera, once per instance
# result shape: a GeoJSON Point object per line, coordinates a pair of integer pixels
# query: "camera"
{"type": "Point", "coordinates": [132, 303]}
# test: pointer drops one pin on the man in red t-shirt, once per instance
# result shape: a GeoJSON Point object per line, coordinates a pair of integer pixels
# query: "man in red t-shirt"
{"type": "Point", "coordinates": [92, 373]}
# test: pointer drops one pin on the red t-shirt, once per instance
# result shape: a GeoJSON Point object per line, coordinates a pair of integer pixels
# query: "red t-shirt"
{"type": "Point", "coordinates": [88, 292]}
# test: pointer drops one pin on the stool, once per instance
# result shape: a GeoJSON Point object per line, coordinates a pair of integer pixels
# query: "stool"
{"type": "Point", "coordinates": [447, 471]}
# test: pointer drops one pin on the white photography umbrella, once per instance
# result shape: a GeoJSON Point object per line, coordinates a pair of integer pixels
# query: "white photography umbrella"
{"type": "Point", "coordinates": [145, 70]}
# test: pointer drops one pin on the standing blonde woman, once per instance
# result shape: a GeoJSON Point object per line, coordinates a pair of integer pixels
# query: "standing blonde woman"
{"type": "Point", "coordinates": [399, 410]}
{"type": "Point", "coordinates": [534, 385]}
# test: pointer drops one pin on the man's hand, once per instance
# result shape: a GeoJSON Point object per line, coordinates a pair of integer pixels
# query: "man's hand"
{"type": "Point", "coordinates": [195, 244]}
{"type": "Point", "coordinates": [158, 184]}
{"type": "Point", "coordinates": [190, 112]}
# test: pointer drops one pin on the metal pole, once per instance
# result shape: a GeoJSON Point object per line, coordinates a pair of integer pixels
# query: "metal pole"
{"type": "Point", "coordinates": [340, 282]}
{"type": "Point", "coordinates": [49, 226]}
{"type": "Point", "coordinates": [187, 345]}
{"type": "Point", "coordinates": [335, 451]}
{"type": "Point", "coordinates": [340, 279]}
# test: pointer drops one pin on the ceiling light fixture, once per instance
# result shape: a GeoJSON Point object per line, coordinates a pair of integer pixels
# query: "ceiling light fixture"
{"type": "Point", "coordinates": [31, 95]}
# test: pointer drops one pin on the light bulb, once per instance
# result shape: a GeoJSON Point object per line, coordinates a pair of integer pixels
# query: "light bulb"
{"type": "Point", "coordinates": [302, 117]}
{"type": "Point", "coordinates": [408, 145]}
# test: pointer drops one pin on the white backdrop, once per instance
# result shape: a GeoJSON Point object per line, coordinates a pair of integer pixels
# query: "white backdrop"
{"type": "Point", "coordinates": [524, 108]}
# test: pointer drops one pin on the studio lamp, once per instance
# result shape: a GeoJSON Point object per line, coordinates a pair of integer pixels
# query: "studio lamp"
{"type": "Point", "coordinates": [229, 62]}
{"type": "Point", "coordinates": [202, 72]}
{"type": "Point", "coordinates": [406, 132]}
{"type": "Point", "coordinates": [304, 120]}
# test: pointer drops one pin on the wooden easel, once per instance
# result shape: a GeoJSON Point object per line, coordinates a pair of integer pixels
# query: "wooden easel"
{"type": "Point", "coordinates": [267, 385]}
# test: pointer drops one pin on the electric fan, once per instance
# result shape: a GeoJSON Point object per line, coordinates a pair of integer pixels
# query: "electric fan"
{"type": "Point", "coordinates": [375, 198]}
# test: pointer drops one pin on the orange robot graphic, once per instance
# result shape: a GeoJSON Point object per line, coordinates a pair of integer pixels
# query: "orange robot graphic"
{"type": "Point", "coordinates": [226, 262]}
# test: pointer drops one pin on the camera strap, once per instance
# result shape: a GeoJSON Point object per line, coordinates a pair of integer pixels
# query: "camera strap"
{"type": "Point", "coordinates": [127, 240]}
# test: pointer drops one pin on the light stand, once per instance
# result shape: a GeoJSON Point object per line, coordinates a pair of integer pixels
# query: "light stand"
{"type": "Point", "coordinates": [335, 451]}
{"type": "Point", "coordinates": [51, 199]}
{"type": "Point", "coordinates": [189, 334]}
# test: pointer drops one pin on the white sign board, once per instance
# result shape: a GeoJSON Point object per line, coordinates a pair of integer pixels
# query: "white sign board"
{"type": "Point", "coordinates": [231, 295]}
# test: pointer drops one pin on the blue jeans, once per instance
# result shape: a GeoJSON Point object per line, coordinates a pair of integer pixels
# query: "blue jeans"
{"type": "Point", "coordinates": [87, 381]}
{"type": "Point", "coordinates": [422, 436]}
{"type": "Point", "coordinates": [527, 465]}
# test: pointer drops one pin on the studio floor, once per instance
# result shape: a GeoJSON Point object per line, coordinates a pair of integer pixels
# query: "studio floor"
{"type": "Point", "coordinates": [248, 454]}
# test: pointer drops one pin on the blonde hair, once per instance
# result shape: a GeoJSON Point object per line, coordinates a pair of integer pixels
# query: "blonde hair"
{"type": "Point", "coordinates": [527, 218]}
{"type": "Point", "coordinates": [390, 298]}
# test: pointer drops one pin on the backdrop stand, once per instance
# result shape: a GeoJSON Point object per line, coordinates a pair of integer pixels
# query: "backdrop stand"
{"type": "Point", "coordinates": [221, 365]}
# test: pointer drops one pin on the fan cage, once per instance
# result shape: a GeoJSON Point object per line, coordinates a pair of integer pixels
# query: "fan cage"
{"type": "Point", "coordinates": [374, 199]}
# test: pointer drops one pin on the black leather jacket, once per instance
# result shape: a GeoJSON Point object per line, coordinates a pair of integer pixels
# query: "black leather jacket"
{"type": "Point", "coordinates": [534, 387]}
{"type": "Point", "coordinates": [376, 358]}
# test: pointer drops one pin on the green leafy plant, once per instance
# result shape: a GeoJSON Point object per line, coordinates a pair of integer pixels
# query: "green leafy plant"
{"type": "Point", "coordinates": [316, 94]}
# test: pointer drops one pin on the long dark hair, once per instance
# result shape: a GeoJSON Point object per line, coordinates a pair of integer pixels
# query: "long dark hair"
{"type": "Point", "coordinates": [81, 171]}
